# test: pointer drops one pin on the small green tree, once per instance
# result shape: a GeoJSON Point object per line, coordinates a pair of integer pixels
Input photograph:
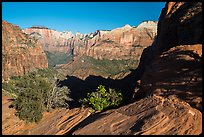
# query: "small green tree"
{"type": "Point", "coordinates": [102, 99]}
{"type": "Point", "coordinates": [57, 96]}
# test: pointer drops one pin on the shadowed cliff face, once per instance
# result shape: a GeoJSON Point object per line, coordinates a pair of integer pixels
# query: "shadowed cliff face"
{"type": "Point", "coordinates": [20, 53]}
{"type": "Point", "coordinates": [177, 73]}
{"type": "Point", "coordinates": [174, 59]}
{"type": "Point", "coordinates": [179, 24]}
{"type": "Point", "coordinates": [184, 21]}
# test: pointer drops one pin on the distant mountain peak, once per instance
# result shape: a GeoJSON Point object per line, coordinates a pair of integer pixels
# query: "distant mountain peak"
{"type": "Point", "coordinates": [127, 26]}
{"type": "Point", "coordinates": [147, 24]}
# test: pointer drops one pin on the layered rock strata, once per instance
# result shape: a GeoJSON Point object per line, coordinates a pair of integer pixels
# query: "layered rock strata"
{"type": "Point", "coordinates": [20, 53]}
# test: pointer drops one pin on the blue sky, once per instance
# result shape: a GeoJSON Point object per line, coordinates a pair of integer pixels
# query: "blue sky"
{"type": "Point", "coordinates": [84, 17]}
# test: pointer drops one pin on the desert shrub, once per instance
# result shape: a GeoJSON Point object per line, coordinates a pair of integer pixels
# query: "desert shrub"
{"type": "Point", "coordinates": [57, 96]}
{"type": "Point", "coordinates": [15, 77]}
{"type": "Point", "coordinates": [37, 92]}
{"type": "Point", "coordinates": [29, 105]}
{"type": "Point", "coordinates": [8, 87]}
{"type": "Point", "coordinates": [103, 99]}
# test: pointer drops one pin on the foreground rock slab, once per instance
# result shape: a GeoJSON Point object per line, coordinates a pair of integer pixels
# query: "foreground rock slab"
{"type": "Point", "coordinates": [57, 122]}
{"type": "Point", "coordinates": [150, 116]}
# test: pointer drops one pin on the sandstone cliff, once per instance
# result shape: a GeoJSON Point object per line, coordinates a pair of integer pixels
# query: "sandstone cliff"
{"type": "Point", "coordinates": [178, 43]}
{"type": "Point", "coordinates": [121, 43]}
{"type": "Point", "coordinates": [20, 53]}
{"type": "Point", "coordinates": [179, 24]}
{"type": "Point", "coordinates": [118, 45]}
{"type": "Point", "coordinates": [51, 40]}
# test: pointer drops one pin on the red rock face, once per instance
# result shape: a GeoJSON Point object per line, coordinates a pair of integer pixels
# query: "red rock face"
{"type": "Point", "coordinates": [173, 64]}
{"type": "Point", "coordinates": [184, 25]}
{"type": "Point", "coordinates": [180, 23]}
{"type": "Point", "coordinates": [121, 43]}
{"type": "Point", "coordinates": [51, 40]}
{"type": "Point", "coordinates": [20, 54]}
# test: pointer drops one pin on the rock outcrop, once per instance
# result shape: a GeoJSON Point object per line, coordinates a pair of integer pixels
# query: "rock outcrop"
{"type": "Point", "coordinates": [20, 53]}
{"type": "Point", "coordinates": [57, 122]}
{"type": "Point", "coordinates": [181, 80]}
{"type": "Point", "coordinates": [149, 116]}
{"type": "Point", "coordinates": [179, 24]}
{"type": "Point", "coordinates": [51, 40]}
{"type": "Point", "coordinates": [173, 64]}
{"type": "Point", "coordinates": [170, 81]}
{"type": "Point", "coordinates": [121, 43]}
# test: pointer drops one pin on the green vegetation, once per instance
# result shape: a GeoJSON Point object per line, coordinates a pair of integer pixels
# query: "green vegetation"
{"type": "Point", "coordinates": [36, 92]}
{"type": "Point", "coordinates": [29, 105]}
{"type": "Point", "coordinates": [104, 67]}
{"type": "Point", "coordinates": [31, 43]}
{"type": "Point", "coordinates": [103, 99]}
{"type": "Point", "coordinates": [112, 67]}
{"type": "Point", "coordinates": [108, 41]}
{"type": "Point", "coordinates": [57, 58]}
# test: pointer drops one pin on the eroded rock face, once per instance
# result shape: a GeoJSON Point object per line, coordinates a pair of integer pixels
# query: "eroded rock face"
{"type": "Point", "coordinates": [122, 43]}
{"type": "Point", "coordinates": [57, 122]}
{"type": "Point", "coordinates": [177, 73]}
{"type": "Point", "coordinates": [173, 63]}
{"type": "Point", "coordinates": [180, 23]}
{"type": "Point", "coordinates": [149, 116]}
{"type": "Point", "coordinates": [51, 40]}
{"type": "Point", "coordinates": [20, 53]}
